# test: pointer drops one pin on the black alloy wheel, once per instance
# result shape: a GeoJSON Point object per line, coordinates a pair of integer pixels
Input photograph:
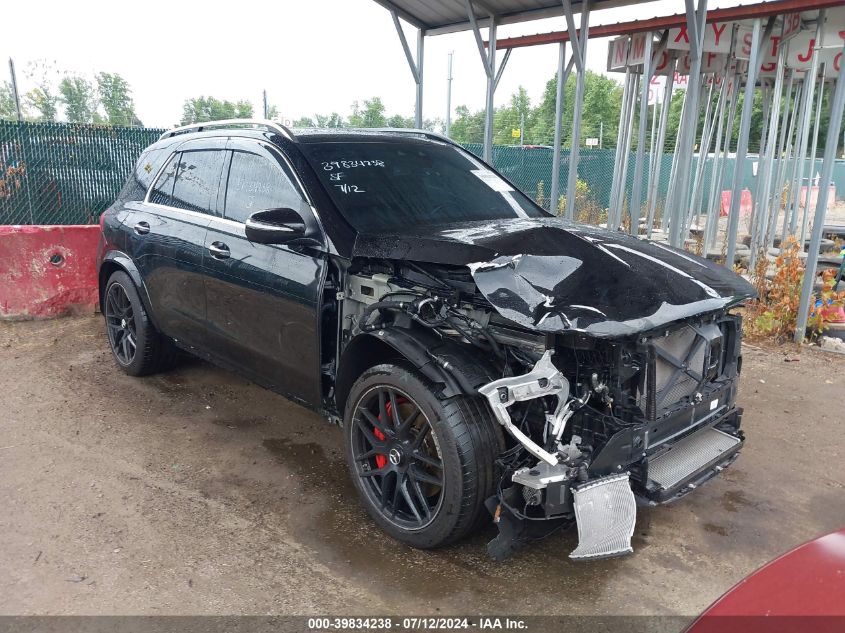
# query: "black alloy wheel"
{"type": "Point", "coordinates": [397, 456]}
{"type": "Point", "coordinates": [422, 463]}
{"type": "Point", "coordinates": [120, 323]}
{"type": "Point", "coordinates": [137, 346]}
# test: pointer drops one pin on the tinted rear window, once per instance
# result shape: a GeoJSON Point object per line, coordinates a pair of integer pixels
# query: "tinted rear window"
{"type": "Point", "coordinates": [197, 180]}
{"type": "Point", "coordinates": [162, 191]}
{"type": "Point", "coordinates": [391, 185]}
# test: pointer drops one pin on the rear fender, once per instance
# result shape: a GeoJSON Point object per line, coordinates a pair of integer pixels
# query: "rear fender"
{"type": "Point", "coordinates": [117, 260]}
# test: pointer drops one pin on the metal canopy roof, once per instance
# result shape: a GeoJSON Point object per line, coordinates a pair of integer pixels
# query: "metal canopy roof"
{"type": "Point", "coordinates": [449, 16]}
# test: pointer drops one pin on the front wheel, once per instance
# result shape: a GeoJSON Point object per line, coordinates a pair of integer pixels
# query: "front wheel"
{"type": "Point", "coordinates": [422, 464]}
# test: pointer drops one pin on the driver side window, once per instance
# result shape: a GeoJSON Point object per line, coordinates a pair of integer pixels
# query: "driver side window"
{"type": "Point", "coordinates": [257, 183]}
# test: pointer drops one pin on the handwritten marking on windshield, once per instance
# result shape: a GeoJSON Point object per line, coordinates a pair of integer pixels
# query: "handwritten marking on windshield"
{"type": "Point", "coordinates": [349, 164]}
{"type": "Point", "coordinates": [347, 188]}
{"type": "Point", "coordinates": [338, 175]}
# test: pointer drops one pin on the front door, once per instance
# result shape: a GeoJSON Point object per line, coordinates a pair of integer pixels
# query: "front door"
{"type": "Point", "coordinates": [263, 300]}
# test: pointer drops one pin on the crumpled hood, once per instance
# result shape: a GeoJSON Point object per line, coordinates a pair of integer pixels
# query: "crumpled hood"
{"type": "Point", "coordinates": [551, 275]}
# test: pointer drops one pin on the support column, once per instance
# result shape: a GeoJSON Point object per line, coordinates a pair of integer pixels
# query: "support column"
{"type": "Point", "coordinates": [806, 113]}
{"type": "Point", "coordinates": [831, 144]}
{"type": "Point", "coordinates": [562, 76]}
{"type": "Point", "coordinates": [762, 208]}
{"type": "Point", "coordinates": [636, 193]}
{"type": "Point", "coordinates": [491, 93]}
{"type": "Point", "coordinates": [580, 56]}
{"type": "Point", "coordinates": [418, 110]}
{"type": "Point", "coordinates": [812, 165]}
{"type": "Point", "coordinates": [790, 144]}
{"type": "Point", "coordinates": [686, 137]}
{"type": "Point", "coordinates": [415, 66]}
{"type": "Point", "coordinates": [659, 151]}
{"type": "Point", "coordinates": [742, 141]}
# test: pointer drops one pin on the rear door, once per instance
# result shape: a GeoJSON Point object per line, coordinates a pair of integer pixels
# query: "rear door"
{"type": "Point", "coordinates": [166, 238]}
{"type": "Point", "coordinates": [262, 300]}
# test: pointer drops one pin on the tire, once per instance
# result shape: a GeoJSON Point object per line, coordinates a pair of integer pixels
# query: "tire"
{"type": "Point", "coordinates": [459, 433]}
{"type": "Point", "coordinates": [136, 345]}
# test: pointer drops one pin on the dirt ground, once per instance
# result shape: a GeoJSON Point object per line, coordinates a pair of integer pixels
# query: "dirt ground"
{"type": "Point", "coordinates": [195, 492]}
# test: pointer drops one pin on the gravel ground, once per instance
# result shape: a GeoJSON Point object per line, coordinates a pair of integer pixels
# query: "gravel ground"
{"type": "Point", "coordinates": [195, 492]}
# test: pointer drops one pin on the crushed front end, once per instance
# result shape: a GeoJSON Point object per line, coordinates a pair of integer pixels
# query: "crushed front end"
{"type": "Point", "coordinates": [603, 425]}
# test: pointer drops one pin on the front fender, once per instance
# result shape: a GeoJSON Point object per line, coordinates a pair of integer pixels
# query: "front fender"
{"type": "Point", "coordinates": [456, 368]}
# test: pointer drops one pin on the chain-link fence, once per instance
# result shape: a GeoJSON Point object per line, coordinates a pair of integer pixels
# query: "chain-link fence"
{"type": "Point", "coordinates": [59, 173]}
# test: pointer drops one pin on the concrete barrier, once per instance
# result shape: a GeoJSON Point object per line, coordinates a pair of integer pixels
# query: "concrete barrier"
{"type": "Point", "coordinates": [47, 271]}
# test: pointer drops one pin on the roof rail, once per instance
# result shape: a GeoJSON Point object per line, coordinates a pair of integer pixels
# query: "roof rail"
{"type": "Point", "coordinates": [265, 124]}
{"type": "Point", "coordinates": [411, 130]}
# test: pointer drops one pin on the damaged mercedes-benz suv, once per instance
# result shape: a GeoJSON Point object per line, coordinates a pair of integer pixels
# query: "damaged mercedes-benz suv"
{"type": "Point", "coordinates": [487, 361]}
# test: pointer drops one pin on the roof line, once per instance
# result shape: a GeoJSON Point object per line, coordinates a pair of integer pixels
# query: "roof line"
{"type": "Point", "coordinates": [744, 12]}
{"type": "Point", "coordinates": [231, 124]}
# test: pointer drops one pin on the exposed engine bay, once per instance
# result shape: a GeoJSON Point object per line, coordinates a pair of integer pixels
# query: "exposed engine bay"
{"type": "Point", "coordinates": [596, 418]}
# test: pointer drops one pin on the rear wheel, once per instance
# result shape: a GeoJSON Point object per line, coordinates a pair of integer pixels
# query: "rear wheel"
{"type": "Point", "coordinates": [135, 344]}
{"type": "Point", "coordinates": [422, 464]}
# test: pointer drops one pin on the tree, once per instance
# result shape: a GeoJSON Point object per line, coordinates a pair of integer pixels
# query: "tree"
{"type": "Point", "coordinates": [202, 109]}
{"type": "Point", "coordinates": [7, 102]}
{"type": "Point", "coordinates": [599, 114]}
{"type": "Point", "coordinates": [330, 120]}
{"type": "Point", "coordinates": [468, 127]}
{"type": "Point", "coordinates": [512, 117]}
{"type": "Point", "coordinates": [42, 99]}
{"type": "Point", "coordinates": [304, 121]}
{"type": "Point", "coordinates": [116, 97]}
{"type": "Point", "coordinates": [371, 115]}
{"type": "Point", "coordinates": [79, 99]}
{"type": "Point", "coordinates": [397, 120]}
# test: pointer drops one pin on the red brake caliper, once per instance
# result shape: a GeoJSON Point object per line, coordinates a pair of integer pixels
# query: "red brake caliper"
{"type": "Point", "coordinates": [381, 460]}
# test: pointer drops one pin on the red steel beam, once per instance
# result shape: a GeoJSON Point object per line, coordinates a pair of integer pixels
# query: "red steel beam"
{"type": "Point", "coordinates": [730, 14]}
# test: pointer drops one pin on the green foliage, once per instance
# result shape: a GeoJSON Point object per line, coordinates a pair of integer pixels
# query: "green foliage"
{"type": "Point", "coordinates": [371, 114]}
{"type": "Point", "coordinates": [330, 120]}
{"type": "Point", "coordinates": [116, 97]}
{"type": "Point", "coordinates": [397, 120]}
{"type": "Point", "coordinates": [79, 99]}
{"type": "Point", "coordinates": [467, 127]}
{"type": "Point", "coordinates": [44, 101]}
{"type": "Point", "coordinates": [202, 109]}
{"type": "Point", "coordinates": [7, 101]}
{"type": "Point", "coordinates": [600, 114]}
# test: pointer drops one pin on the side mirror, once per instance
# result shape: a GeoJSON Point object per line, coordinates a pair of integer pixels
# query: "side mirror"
{"type": "Point", "coordinates": [275, 226]}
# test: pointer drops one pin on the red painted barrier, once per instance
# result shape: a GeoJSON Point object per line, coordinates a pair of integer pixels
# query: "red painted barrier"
{"type": "Point", "coordinates": [744, 203]}
{"type": "Point", "coordinates": [47, 271]}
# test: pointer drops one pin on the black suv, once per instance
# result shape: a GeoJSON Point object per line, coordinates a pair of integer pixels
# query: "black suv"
{"type": "Point", "coordinates": [484, 358]}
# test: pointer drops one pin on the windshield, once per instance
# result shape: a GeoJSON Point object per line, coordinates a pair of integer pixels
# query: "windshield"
{"type": "Point", "coordinates": [398, 184]}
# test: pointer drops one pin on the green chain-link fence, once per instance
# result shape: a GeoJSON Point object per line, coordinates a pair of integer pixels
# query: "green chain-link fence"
{"type": "Point", "coordinates": [58, 173]}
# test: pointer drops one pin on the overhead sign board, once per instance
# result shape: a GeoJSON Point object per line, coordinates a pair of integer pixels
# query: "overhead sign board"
{"type": "Point", "coordinates": [717, 38]}
{"type": "Point", "coordinates": [617, 54]}
{"type": "Point", "coordinates": [636, 52]}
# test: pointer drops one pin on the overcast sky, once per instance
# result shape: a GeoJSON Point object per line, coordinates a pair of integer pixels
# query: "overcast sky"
{"type": "Point", "coordinates": [311, 56]}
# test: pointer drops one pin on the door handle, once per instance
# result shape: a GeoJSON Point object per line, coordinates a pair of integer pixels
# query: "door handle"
{"type": "Point", "coordinates": [219, 250]}
{"type": "Point", "coordinates": [142, 228]}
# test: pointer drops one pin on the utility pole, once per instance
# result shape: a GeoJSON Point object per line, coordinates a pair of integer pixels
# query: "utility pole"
{"type": "Point", "coordinates": [449, 96]}
{"type": "Point", "coordinates": [601, 133]}
{"type": "Point", "coordinates": [15, 89]}
{"type": "Point", "coordinates": [264, 92]}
